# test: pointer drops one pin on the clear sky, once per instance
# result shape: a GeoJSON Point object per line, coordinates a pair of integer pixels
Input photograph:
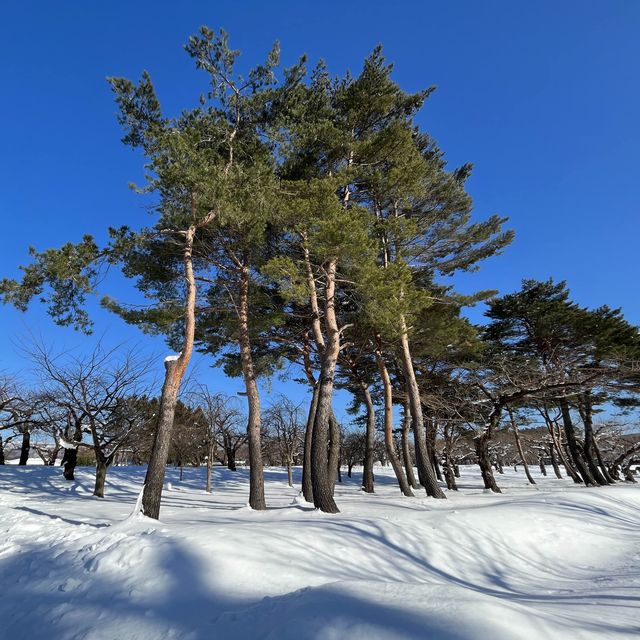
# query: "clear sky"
{"type": "Point", "coordinates": [542, 97]}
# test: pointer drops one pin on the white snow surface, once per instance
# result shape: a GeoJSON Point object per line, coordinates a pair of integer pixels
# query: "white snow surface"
{"type": "Point", "coordinates": [553, 560]}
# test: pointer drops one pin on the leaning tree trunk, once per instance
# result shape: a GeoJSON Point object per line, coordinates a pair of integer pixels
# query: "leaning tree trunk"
{"type": "Point", "coordinates": [406, 451]}
{"type": "Point", "coordinates": [568, 465]}
{"type": "Point", "coordinates": [516, 435]}
{"type": "Point", "coordinates": [174, 373]}
{"type": "Point", "coordinates": [554, 460]}
{"type": "Point", "coordinates": [25, 448]}
{"type": "Point", "coordinates": [603, 466]}
{"type": "Point", "coordinates": [256, 473]}
{"type": "Point", "coordinates": [388, 426]}
{"type": "Point", "coordinates": [426, 473]}
{"type": "Point", "coordinates": [482, 450]}
{"type": "Point", "coordinates": [628, 474]}
{"type": "Point", "coordinates": [574, 447]}
{"type": "Point", "coordinates": [321, 474]}
{"type": "Point", "coordinates": [543, 469]}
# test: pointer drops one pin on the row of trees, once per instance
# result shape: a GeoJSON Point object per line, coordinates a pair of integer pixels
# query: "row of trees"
{"type": "Point", "coordinates": [307, 221]}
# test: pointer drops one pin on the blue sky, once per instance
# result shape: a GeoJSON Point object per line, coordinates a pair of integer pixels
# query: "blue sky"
{"type": "Point", "coordinates": [542, 97]}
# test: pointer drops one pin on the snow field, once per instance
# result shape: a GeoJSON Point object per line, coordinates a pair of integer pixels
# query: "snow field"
{"type": "Point", "coordinates": [548, 561]}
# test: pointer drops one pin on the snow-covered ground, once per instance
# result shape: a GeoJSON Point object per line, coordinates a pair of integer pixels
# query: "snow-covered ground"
{"type": "Point", "coordinates": [550, 561]}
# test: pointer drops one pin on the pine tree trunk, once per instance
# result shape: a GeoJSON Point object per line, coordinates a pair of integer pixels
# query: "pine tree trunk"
{"type": "Point", "coordinates": [589, 441]}
{"type": "Point", "coordinates": [174, 373]}
{"type": "Point", "coordinates": [25, 448]}
{"type": "Point", "coordinates": [568, 466]}
{"type": "Point", "coordinates": [543, 469]}
{"type": "Point", "coordinates": [426, 473]}
{"type": "Point", "coordinates": [321, 474]}
{"type": "Point", "coordinates": [603, 466]}
{"type": "Point", "coordinates": [482, 451]}
{"type": "Point", "coordinates": [370, 442]}
{"type": "Point", "coordinates": [484, 462]}
{"type": "Point", "coordinates": [256, 474]}
{"type": "Point", "coordinates": [406, 451]}
{"type": "Point", "coordinates": [388, 426]}
{"type": "Point", "coordinates": [572, 442]}
{"type": "Point", "coordinates": [431, 433]}
{"type": "Point", "coordinates": [449, 467]}
{"type": "Point", "coordinates": [307, 485]}
{"type": "Point", "coordinates": [554, 461]}
{"type": "Point", "coordinates": [334, 451]}
{"type": "Point", "coordinates": [499, 463]}
{"type": "Point", "coordinates": [516, 435]}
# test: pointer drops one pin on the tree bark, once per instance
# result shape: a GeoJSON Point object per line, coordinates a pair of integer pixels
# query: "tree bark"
{"type": "Point", "coordinates": [209, 467]}
{"type": "Point", "coordinates": [406, 451]}
{"type": "Point", "coordinates": [256, 474]}
{"type": "Point", "coordinates": [603, 466]}
{"type": "Point", "coordinates": [25, 448]}
{"type": "Point", "coordinates": [307, 485]}
{"type": "Point", "coordinates": [101, 476]}
{"type": "Point", "coordinates": [370, 442]}
{"type": "Point", "coordinates": [556, 437]}
{"type": "Point", "coordinates": [174, 373]}
{"type": "Point", "coordinates": [334, 451]}
{"type": "Point", "coordinates": [388, 426]}
{"type": "Point", "coordinates": [554, 461]}
{"type": "Point", "coordinates": [516, 435]}
{"type": "Point", "coordinates": [572, 442]}
{"type": "Point", "coordinates": [589, 449]}
{"type": "Point", "coordinates": [482, 450]}
{"type": "Point", "coordinates": [543, 469]}
{"type": "Point", "coordinates": [321, 474]}
{"type": "Point", "coordinates": [1, 451]}
{"type": "Point", "coordinates": [290, 472]}
{"type": "Point", "coordinates": [426, 473]}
